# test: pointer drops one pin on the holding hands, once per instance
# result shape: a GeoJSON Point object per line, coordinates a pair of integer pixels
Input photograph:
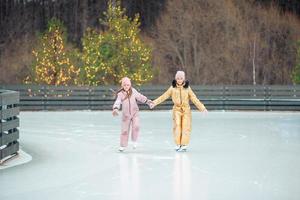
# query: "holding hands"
{"type": "Point", "coordinates": [150, 104]}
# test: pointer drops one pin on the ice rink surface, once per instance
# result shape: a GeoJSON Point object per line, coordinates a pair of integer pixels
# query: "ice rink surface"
{"type": "Point", "coordinates": [232, 155]}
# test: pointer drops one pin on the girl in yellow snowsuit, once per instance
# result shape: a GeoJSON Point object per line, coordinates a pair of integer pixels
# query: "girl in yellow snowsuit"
{"type": "Point", "coordinates": [181, 93]}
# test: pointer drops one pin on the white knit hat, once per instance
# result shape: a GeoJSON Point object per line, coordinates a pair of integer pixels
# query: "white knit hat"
{"type": "Point", "coordinates": [125, 80]}
{"type": "Point", "coordinates": [180, 74]}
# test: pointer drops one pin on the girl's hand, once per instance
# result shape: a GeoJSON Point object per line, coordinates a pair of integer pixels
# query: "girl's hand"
{"type": "Point", "coordinates": [149, 101]}
{"type": "Point", "coordinates": [205, 110]}
{"type": "Point", "coordinates": [115, 112]}
{"type": "Point", "coordinates": [151, 105]}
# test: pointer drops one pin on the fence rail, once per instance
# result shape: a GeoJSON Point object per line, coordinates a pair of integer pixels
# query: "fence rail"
{"type": "Point", "coordinates": [235, 97]}
{"type": "Point", "coordinates": [9, 123]}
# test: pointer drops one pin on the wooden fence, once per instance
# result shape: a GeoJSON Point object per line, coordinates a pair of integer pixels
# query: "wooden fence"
{"type": "Point", "coordinates": [235, 97]}
{"type": "Point", "coordinates": [9, 123]}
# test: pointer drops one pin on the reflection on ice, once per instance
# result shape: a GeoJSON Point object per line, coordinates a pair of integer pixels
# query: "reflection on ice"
{"type": "Point", "coordinates": [182, 176]}
{"type": "Point", "coordinates": [129, 177]}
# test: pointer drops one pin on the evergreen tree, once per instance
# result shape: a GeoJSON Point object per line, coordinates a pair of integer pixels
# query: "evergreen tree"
{"type": "Point", "coordinates": [52, 61]}
{"type": "Point", "coordinates": [117, 51]}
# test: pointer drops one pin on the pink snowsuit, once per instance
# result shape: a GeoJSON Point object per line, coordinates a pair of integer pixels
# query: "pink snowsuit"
{"type": "Point", "coordinates": [130, 114]}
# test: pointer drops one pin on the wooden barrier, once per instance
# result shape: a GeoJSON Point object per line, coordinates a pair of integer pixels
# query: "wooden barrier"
{"type": "Point", "coordinates": [9, 133]}
{"type": "Point", "coordinates": [233, 97]}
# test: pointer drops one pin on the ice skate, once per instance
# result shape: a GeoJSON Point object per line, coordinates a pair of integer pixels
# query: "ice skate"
{"type": "Point", "coordinates": [134, 145]}
{"type": "Point", "coordinates": [121, 149]}
{"type": "Point", "coordinates": [177, 147]}
{"type": "Point", "coordinates": [183, 148]}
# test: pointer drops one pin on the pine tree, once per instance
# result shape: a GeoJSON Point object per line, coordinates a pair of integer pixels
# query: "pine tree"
{"type": "Point", "coordinates": [296, 71]}
{"type": "Point", "coordinates": [116, 52]}
{"type": "Point", "coordinates": [52, 61]}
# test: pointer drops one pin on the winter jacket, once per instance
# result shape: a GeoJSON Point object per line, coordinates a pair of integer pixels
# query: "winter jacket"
{"type": "Point", "coordinates": [180, 97]}
{"type": "Point", "coordinates": [129, 104]}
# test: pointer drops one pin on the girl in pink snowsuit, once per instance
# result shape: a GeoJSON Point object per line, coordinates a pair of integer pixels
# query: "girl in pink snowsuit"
{"type": "Point", "coordinates": [128, 97]}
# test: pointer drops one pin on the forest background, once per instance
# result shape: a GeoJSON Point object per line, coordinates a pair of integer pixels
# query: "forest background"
{"type": "Point", "coordinates": [214, 42]}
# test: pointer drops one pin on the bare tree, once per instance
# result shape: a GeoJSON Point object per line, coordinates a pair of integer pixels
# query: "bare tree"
{"type": "Point", "coordinates": [229, 42]}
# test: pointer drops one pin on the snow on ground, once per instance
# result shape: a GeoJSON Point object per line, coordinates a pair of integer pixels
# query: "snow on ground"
{"type": "Point", "coordinates": [232, 155]}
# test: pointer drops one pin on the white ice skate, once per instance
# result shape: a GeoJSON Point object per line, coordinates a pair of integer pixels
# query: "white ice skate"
{"type": "Point", "coordinates": [121, 149]}
{"type": "Point", "coordinates": [177, 147]}
{"type": "Point", "coordinates": [134, 145]}
{"type": "Point", "coordinates": [183, 148]}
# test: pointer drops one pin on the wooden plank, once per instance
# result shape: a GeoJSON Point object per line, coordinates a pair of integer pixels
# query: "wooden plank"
{"type": "Point", "coordinates": [284, 102]}
{"type": "Point", "coordinates": [244, 103]}
{"type": "Point", "coordinates": [70, 107]}
{"type": "Point", "coordinates": [32, 98]}
{"type": "Point", "coordinates": [9, 97]}
{"type": "Point", "coordinates": [66, 103]}
{"type": "Point", "coordinates": [32, 108]}
{"type": "Point", "coordinates": [9, 125]}
{"type": "Point", "coordinates": [253, 98]}
{"type": "Point", "coordinates": [292, 98]}
{"type": "Point", "coordinates": [6, 138]}
{"type": "Point", "coordinates": [284, 108]}
{"type": "Point", "coordinates": [10, 149]}
{"type": "Point", "coordinates": [239, 107]}
{"type": "Point", "coordinates": [24, 103]}
{"type": "Point", "coordinates": [10, 112]}
{"type": "Point", "coordinates": [70, 98]}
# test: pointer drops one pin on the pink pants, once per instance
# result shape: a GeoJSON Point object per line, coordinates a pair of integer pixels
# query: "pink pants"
{"type": "Point", "coordinates": [134, 121]}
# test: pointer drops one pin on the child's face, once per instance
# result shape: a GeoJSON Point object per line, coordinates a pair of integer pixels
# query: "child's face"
{"type": "Point", "coordinates": [179, 80]}
{"type": "Point", "coordinates": [126, 87]}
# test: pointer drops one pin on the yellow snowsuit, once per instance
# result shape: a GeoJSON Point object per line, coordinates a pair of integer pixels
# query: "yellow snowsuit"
{"type": "Point", "coordinates": [181, 111]}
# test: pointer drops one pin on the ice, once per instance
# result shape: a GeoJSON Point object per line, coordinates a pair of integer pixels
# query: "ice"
{"type": "Point", "coordinates": [232, 155]}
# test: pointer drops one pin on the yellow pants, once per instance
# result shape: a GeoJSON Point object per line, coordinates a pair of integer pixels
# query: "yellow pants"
{"type": "Point", "coordinates": [182, 126]}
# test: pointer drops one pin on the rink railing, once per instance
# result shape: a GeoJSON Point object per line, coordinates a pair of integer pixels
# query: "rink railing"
{"type": "Point", "coordinates": [233, 97]}
{"type": "Point", "coordinates": [9, 133]}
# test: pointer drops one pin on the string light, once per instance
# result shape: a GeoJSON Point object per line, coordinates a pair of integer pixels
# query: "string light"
{"type": "Point", "coordinates": [52, 65]}
{"type": "Point", "coordinates": [117, 52]}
